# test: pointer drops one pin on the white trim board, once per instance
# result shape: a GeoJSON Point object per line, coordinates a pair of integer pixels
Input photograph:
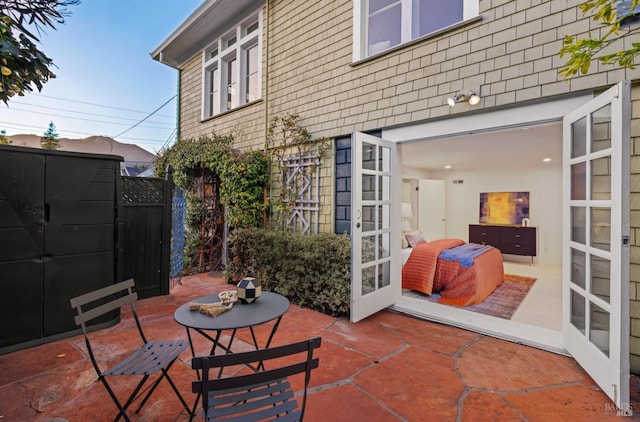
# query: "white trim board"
{"type": "Point", "coordinates": [516, 116]}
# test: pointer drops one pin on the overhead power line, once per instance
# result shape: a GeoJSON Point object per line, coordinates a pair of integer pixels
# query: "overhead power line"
{"type": "Point", "coordinates": [17, 122]}
{"type": "Point", "coordinates": [95, 120]}
{"type": "Point", "coordinates": [99, 105]}
{"type": "Point", "coordinates": [168, 141]}
{"type": "Point", "coordinates": [151, 114]}
{"type": "Point", "coordinates": [86, 134]}
{"type": "Point", "coordinates": [78, 112]}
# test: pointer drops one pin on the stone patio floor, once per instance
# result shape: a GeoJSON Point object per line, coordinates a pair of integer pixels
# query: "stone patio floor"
{"type": "Point", "coordinates": [389, 367]}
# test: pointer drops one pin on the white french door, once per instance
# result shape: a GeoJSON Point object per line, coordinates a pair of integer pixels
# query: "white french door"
{"type": "Point", "coordinates": [376, 194]}
{"type": "Point", "coordinates": [595, 270]}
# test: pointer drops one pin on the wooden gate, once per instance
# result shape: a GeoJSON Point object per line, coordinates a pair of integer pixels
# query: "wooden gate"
{"type": "Point", "coordinates": [146, 232]}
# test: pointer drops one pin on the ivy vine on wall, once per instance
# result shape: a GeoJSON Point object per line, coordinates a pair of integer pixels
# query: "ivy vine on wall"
{"type": "Point", "coordinates": [243, 175]}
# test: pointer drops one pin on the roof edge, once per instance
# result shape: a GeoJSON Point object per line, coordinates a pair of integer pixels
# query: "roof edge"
{"type": "Point", "coordinates": [188, 38]}
{"type": "Point", "coordinates": [194, 17]}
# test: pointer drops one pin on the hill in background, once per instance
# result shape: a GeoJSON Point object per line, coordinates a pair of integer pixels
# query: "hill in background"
{"type": "Point", "coordinates": [92, 144]}
{"type": "Point", "coordinates": [137, 161]}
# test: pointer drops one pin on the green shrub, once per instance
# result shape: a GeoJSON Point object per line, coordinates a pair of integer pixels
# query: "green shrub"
{"type": "Point", "coordinates": [310, 270]}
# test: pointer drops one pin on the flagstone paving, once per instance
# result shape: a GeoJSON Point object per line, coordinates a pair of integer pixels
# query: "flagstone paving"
{"type": "Point", "coordinates": [389, 367]}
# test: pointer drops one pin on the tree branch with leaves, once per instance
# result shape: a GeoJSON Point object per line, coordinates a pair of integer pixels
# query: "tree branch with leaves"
{"type": "Point", "coordinates": [582, 51]}
{"type": "Point", "coordinates": [23, 66]}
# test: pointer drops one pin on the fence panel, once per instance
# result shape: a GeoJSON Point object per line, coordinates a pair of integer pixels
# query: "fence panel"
{"type": "Point", "coordinates": [146, 205]}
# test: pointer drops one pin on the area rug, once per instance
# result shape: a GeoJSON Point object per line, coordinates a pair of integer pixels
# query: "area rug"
{"type": "Point", "coordinates": [502, 303]}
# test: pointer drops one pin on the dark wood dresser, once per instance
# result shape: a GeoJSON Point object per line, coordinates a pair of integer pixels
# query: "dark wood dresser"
{"type": "Point", "coordinates": [514, 240]}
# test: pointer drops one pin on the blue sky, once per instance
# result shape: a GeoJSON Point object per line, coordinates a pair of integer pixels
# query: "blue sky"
{"type": "Point", "coordinates": [106, 80]}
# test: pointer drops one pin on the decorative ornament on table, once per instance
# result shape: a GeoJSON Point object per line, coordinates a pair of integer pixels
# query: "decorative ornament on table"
{"type": "Point", "coordinates": [248, 290]}
{"type": "Point", "coordinates": [227, 299]}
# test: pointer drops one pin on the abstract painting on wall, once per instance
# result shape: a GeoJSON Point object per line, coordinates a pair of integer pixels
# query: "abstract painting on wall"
{"type": "Point", "coordinates": [504, 207]}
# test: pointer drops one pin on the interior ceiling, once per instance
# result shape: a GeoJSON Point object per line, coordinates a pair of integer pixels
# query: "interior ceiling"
{"type": "Point", "coordinates": [522, 147]}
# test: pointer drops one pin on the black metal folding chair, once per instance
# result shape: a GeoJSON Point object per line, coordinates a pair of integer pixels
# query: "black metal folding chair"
{"type": "Point", "coordinates": [151, 358]}
{"type": "Point", "coordinates": [262, 395]}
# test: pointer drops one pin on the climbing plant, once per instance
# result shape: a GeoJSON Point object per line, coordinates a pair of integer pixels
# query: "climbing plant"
{"type": "Point", "coordinates": [243, 175]}
{"type": "Point", "coordinates": [296, 159]}
{"type": "Point", "coordinates": [243, 178]}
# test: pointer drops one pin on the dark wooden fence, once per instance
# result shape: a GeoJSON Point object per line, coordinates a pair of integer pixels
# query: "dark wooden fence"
{"type": "Point", "coordinates": [69, 224]}
{"type": "Point", "coordinates": [146, 234]}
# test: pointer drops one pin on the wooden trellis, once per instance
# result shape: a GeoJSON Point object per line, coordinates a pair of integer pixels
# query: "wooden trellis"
{"type": "Point", "coordinates": [302, 179]}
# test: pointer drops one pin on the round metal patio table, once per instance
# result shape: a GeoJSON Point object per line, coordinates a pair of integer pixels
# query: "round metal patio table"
{"type": "Point", "coordinates": [268, 307]}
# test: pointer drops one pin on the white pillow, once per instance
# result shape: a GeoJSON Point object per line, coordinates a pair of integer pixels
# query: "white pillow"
{"type": "Point", "coordinates": [415, 238]}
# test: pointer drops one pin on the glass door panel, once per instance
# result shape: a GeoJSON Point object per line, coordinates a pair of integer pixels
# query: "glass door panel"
{"type": "Point", "coordinates": [579, 138]}
{"type": "Point", "coordinates": [577, 310]}
{"type": "Point", "coordinates": [384, 274]}
{"type": "Point", "coordinates": [601, 278]}
{"type": "Point", "coordinates": [368, 249]}
{"type": "Point", "coordinates": [375, 226]}
{"type": "Point", "coordinates": [578, 268]}
{"type": "Point", "coordinates": [368, 187]}
{"type": "Point", "coordinates": [579, 181]}
{"type": "Point", "coordinates": [601, 129]}
{"type": "Point", "coordinates": [599, 328]}
{"type": "Point", "coordinates": [579, 225]}
{"type": "Point", "coordinates": [368, 156]}
{"type": "Point", "coordinates": [601, 228]}
{"type": "Point", "coordinates": [601, 178]}
{"type": "Point", "coordinates": [368, 218]}
{"type": "Point", "coordinates": [368, 279]}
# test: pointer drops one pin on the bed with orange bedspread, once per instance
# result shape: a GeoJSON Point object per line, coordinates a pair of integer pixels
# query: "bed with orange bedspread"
{"type": "Point", "coordinates": [425, 271]}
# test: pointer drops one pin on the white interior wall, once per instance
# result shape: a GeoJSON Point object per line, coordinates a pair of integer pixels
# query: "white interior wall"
{"type": "Point", "coordinates": [544, 185]}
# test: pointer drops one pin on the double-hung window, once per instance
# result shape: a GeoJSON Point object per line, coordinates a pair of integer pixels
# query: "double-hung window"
{"type": "Point", "coordinates": [383, 24]}
{"type": "Point", "coordinates": [233, 68]}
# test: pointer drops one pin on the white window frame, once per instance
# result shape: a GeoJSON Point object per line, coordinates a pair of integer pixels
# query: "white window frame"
{"type": "Point", "coordinates": [471, 10]}
{"type": "Point", "coordinates": [230, 101]}
{"type": "Point", "coordinates": [244, 71]}
{"type": "Point", "coordinates": [218, 54]}
{"type": "Point", "coordinates": [212, 90]}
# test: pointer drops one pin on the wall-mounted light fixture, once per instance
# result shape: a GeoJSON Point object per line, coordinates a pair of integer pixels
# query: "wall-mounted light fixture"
{"type": "Point", "coordinates": [469, 96]}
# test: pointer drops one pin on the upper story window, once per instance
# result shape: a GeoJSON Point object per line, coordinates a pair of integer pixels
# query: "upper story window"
{"type": "Point", "coordinates": [383, 24]}
{"type": "Point", "coordinates": [233, 68]}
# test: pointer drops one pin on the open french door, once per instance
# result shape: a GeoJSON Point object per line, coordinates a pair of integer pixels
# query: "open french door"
{"type": "Point", "coordinates": [595, 273]}
{"type": "Point", "coordinates": [376, 194]}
